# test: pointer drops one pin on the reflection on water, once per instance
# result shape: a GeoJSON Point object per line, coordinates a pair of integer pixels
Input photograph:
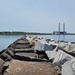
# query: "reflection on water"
{"type": "Point", "coordinates": [61, 38]}
{"type": "Point", "coordinates": [64, 37]}
{"type": "Point", "coordinates": [70, 38]}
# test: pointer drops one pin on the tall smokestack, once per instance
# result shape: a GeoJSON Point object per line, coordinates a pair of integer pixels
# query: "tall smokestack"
{"type": "Point", "coordinates": [59, 28]}
{"type": "Point", "coordinates": [64, 27]}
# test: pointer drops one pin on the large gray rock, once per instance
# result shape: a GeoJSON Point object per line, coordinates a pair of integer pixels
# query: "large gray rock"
{"type": "Point", "coordinates": [10, 52]}
{"type": "Point", "coordinates": [42, 46]}
{"type": "Point", "coordinates": [5, 56]}
{"type": "Point", "coordinates": [68, 68]}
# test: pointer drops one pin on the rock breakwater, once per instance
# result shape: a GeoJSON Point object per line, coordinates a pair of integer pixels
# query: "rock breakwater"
{"type": "Point", "coordinates": [20, 58]}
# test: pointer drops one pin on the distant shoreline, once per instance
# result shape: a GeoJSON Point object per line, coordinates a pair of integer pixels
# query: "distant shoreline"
{"type": "Point", "coordinates": [30, 33]}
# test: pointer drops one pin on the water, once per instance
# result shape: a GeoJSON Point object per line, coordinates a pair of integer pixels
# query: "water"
{"type": "Point", "coordinates": [5, 41]}
{"type": "Point", "coordinates": [69, 38]}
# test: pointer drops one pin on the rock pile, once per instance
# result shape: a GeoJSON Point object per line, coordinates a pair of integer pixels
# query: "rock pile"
{"type": "Point", "coordinates": [17, 67]}
{"type": "Point", "coordinates": [20, 59]}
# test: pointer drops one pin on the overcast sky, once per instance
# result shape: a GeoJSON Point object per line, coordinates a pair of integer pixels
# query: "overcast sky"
{"type": "Point", "coordinates": [37, 15]}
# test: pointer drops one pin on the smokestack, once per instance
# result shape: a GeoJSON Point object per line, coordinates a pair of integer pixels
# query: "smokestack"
{"type": "Point", "coordinates": [63, 27]}
{"type": "Point", "coordinates": [59, 28]}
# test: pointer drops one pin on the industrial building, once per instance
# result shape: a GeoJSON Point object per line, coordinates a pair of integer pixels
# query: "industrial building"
{"type": "Point", "coordinates": [59, 32]}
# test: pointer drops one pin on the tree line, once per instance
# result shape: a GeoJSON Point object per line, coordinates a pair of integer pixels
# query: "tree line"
{"type": "Point", "coordinates": [23, 33]}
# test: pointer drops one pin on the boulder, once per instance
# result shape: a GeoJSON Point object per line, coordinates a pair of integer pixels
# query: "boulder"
{"type": "Point", "coordinates": [17, 67]}
{"type": "Point", "coordinates": [42, 46]}
{"type": "Point", "coordinates": [18, 46]}
{"type": "Point", "coordinates": [10, 52]}
{"type": "Point", "coordinates": [5, 56]}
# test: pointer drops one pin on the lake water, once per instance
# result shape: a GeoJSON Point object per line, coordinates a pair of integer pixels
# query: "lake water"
{"type": "Point", "coordinates": [5, 41]}
{"type": "Point", "coordinates": [70, 38]}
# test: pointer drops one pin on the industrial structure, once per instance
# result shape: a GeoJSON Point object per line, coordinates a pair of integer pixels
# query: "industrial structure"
{"type": "Point", "coordinates": [59, 32]}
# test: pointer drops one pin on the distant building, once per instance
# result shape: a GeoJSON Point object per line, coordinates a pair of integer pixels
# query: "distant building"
{"type": "Point", "coordinates": [60, 32]}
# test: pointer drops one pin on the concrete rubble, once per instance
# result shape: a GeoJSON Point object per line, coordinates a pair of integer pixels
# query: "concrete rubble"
{"type": "Point", "coordinates": [38, 56]}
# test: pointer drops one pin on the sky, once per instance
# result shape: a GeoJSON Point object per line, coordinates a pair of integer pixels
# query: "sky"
{"type": "Point", "coordinates": [37, 15]}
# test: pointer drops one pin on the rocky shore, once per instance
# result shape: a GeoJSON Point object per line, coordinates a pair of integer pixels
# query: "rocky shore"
{"type": "Point", "coordinates": [20, 58]}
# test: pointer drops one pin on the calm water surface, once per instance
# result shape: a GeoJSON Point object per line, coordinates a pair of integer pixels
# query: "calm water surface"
{"type": "Point", "coordinates": [70, 38]}
{"type": "Point", "coordinates": [5, 41]}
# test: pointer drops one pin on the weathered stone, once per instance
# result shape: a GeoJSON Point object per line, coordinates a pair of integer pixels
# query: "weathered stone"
{"type": "Point", "coordinates": [32, 42]}
{"type": "Point", "coordinates": [6, 63]}
{"type": "Point", "coordinates": [24, 37]}
{"type": "Point", "coordinates": [5, 56]}
{"type": "Point", "coordinates": [17, 67]}
{"type": "Point", "coordinates": [5, 66]}
{"type": "Point", "coordinates": [22, 42]}
{"type": "Point", "coordinates": [10, 52]}
{"type": "Point", "coordinates": [18, 46]}
{"type": "Point", "coordinates": [12, 46]}
{"type": "Point", "coordinates": [24, 61]}
{"type": "Point", "coordinates": [41, 54]}
{"type": "Point", "coordinates": [25, 50]}
{"type": "Point", "coordinates": [2, 51]}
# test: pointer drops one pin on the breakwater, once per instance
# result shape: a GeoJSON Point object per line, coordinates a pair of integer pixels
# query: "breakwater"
{"type": "Point", "coordinates": [19, 59]}
{"type": "Point", "coordinates": [33, 55]}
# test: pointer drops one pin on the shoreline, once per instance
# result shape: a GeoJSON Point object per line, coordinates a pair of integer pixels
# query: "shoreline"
{"type": "Point", "coordinates": [30, 33]}
{"type": "Point", "coordinates": [34, 34]}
